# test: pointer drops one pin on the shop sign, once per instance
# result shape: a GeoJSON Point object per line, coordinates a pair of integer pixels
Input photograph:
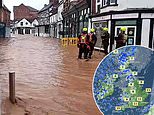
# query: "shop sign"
{"type": "Point", "coordinates": [147, 15]}
{"type": "Point", "coordinates": [101, 18]}
{"type": "Point", "coordinates": [125, 16]}
{"type": "Point", "coordinates": [125, 22]}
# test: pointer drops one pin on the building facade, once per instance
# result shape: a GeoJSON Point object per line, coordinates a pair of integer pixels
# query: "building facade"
{"type": "Point", "coordinates": [60, 19]}
{"type": "Point", "coordinates": [54, 18]}
{"type": "Point", "coordinates": [4, 21]}
{"type": "Point", "coordinates": [75, 17]}
{"type": "Point", "coordinates": [23, 11]}
{"type": "Point", "coordinates": [136, 16]}
{"type": "Point", "coordinates": [43, 28]}
{"type": "Point", "coordinates": [25, 26]}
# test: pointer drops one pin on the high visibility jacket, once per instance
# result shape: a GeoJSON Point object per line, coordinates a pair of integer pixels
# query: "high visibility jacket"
{"type": "Point", "coordinates": [92, 38]}
{"type": "Point", "coordinates": [83, 39]}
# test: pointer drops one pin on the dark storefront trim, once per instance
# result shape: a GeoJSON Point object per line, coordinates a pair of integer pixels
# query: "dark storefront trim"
{"type": "Point", "coordinates": [151, 33]}
{"type": "Point", "coordinates": [139, 30]}
{"type": "Point", "coordinates": [112, 35]}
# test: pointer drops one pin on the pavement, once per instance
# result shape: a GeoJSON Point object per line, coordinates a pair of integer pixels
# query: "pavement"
{"type": "Point", "coordinates": [50, 80]}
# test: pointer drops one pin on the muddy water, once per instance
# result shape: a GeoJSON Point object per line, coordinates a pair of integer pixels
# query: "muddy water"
{"type": "Point", "coordinates": [49, 78]}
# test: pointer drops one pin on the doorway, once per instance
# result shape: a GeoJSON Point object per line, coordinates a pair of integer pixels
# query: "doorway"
{"type": "Point", "coordinates": [130, 32]}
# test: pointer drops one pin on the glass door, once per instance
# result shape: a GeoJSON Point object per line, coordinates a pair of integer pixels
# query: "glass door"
{"type": "Point", "coordinates": [130, 32]}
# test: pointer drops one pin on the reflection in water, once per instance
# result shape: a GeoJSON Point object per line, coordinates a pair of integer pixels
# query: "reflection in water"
{"type": "Point", "coordinates": [49, 78]}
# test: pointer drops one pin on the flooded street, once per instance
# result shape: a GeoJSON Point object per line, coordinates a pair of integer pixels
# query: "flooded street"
{"type": "Point", "coordinates": [49, 78]}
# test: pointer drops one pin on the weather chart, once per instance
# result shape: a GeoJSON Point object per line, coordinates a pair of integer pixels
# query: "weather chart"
{"type": "Point", "coordinates": [123, 82]}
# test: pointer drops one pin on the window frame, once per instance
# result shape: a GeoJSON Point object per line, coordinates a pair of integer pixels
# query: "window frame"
{"type": "Point", "coordinates": [108, 3]}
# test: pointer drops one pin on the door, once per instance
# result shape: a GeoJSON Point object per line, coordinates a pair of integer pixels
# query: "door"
{"type": "Point", "coordinates": [130, 32]}
{"type": "Point", "coordinates": [2, 30]}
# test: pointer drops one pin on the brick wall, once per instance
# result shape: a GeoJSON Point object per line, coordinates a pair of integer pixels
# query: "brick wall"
{"type": "Point", "coordinates": [93, 6]}
{"type": "Point", "coordinates": [23, 11]}
{"type": "Point", "coordinates": [5, 16]}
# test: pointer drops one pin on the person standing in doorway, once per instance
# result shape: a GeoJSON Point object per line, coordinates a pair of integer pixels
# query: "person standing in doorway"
{"type": "Point", "coordinates": [83, 44]}
{"type": "Point", "coordinates": [122, 38]}
{"type": "Point", "coordinates": [92, 42]}
{"type": "Point", "coordinates": [105, 40]}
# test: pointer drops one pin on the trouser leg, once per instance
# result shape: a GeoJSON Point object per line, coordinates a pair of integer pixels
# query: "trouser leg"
{"type": "Point", "coordinates": [80, 52]}
{"type": "Point", "coordinates": [86, 50]}
{"type": "Point", "coordinates": [106, 48]}
{"type": "Point", "coordinates": [91, 50]}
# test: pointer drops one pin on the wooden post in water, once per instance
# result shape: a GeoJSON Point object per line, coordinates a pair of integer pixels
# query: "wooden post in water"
{"type": "Point", "coordinates": [12, 87]}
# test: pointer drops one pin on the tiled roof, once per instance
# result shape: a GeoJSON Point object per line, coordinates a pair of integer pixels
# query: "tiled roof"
{"type": "Point", "coordinates": [46, 7]}
{"type": "Point", "coordinates": [32, 9]}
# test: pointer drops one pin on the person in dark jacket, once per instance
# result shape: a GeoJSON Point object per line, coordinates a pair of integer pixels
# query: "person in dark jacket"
{"type": "Point", "coordinates": [83, 44]}
{"type": "Point", "coordinates": [105, 40]}
{"type": "Point", "coordinates": [122, 38]}
{"type": "Point", "coordinates": [92, 42]}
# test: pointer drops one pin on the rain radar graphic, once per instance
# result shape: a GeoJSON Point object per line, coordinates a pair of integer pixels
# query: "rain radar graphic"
{"type": "Point", "coordinates": [123, 83]}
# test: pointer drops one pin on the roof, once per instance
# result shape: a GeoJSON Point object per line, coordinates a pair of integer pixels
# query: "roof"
{"type": "Point", "coordinates": [29, 7]}
{"type": "Point", "coordinates": [6, 8]}
{"type": "Point", "coordinates": [46, 7]}
{"type": "Point", "coordinates": [29, 20]}
{"type": "Point", "coordinates": [32, 9]}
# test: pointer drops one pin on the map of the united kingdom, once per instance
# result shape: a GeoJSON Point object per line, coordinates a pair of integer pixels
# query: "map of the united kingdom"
{"type": "Point", "coordinates": [124, 82]}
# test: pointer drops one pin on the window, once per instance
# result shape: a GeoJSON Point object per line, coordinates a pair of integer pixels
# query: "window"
{"type": "Point", "coordinates": [105, 2]}
{"type": "Point", "coordinates": [98, 8]}
{"type": "Point", "coordinates": [21, 23]}
{"type": "Point", "coordinates": [109, 2]}
{"type": "Point", "coordinates": [26, 23]}
{"type": "Point", "coordinates": [113, 1]}
{"type": "Point", "coordinates": [46, 29]}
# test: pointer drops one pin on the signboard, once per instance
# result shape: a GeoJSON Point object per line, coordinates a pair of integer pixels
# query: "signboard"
{"type": "Point", "coordinates": [126, 23]}
{"type": "Point", "coordinates": [147, 15]}
{"type": "Point", "coordinates": [124, 16]}
{"type": "Point", "coordinates": [101, 18]}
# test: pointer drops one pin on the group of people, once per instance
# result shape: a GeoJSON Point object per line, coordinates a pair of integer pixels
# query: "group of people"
{"type": "Point", "coordinates": [87, 41]}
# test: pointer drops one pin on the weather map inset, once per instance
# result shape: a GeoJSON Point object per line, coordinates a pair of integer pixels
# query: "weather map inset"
{"type": "Point", "coordinates": [123, 83]}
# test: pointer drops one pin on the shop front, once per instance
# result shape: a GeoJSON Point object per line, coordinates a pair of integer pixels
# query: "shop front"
{"type": "Point", "coordinates": [131, 30]}
{"type": "Point", "coordinates": [98, 28]}
{"type": "Point", "coordinates": [114, 22]}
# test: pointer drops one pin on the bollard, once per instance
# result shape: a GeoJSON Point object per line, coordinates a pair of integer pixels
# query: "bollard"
{"type": "Point", "coordinates": [12, 87]}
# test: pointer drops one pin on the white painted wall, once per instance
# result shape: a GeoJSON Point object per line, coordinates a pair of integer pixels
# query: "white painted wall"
{"type": "Point", "coordinates": [145, 32]}
{"type": "Point", "coordinates": [24, 23]}
{"type": "Point", "coordinates": [124, 4]}
{"type": "Point", "coordinates": [60, 18]}
{"type": "Point", "coordinates": [98, 3]}
{"type": "Point", "coordinates": [53, 19]}
{"type": "Point", "coordinates": [35, 22]}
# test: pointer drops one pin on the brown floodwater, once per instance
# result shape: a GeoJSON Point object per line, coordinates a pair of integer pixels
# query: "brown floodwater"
{"type": "Point", "coordinates": [50, 80]}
